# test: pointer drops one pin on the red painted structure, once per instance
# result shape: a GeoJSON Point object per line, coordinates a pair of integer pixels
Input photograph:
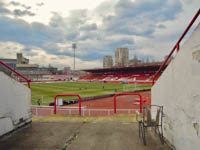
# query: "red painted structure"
{"type": "Point", "coordinates": [121, 94]}
{"type": "Point", "coordinates": [67, 95]}
{"type": "Point", "coordinates": [11, 69]}
{"type": "Point", "coordinates": [140, 68]}
{"type": "Point", "coordinates": [176, 47]}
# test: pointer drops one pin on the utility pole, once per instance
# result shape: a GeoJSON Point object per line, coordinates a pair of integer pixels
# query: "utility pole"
{"type": "Point", "coordinates": [74, 47]}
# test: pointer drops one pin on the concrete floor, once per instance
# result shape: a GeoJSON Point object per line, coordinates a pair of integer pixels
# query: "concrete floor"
{"type": "Point", "coordinates": [79, 136]}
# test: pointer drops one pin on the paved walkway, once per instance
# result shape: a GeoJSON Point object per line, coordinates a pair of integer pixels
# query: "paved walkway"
{"type": "Point", "coordinates": [79, 134]}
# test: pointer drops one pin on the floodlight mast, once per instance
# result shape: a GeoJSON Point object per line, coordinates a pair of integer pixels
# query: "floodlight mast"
{"type": "Point", "coordinates": [74, 47]}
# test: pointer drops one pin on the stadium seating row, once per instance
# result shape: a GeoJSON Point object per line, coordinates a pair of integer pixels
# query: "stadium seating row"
{"type": "Point", "coordinates": [117, 78]}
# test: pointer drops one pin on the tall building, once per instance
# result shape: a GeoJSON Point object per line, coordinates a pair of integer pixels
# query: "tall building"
{"type": "Point", "coordinates": [21, 59]}
{"type": "Point", "coordinates": [122, 57]}
{"type": "Point", "coordinates": [107, 62]}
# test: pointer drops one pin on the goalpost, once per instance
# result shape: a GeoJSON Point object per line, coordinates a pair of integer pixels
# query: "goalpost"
{"type": "Point", "coordinates": [129, 87]}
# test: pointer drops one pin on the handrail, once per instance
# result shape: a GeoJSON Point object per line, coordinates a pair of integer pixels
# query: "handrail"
{"type": "Point", "coordinates": [177, 45]}
{"type": "Point", "coordinates": [8, 67]}
{"type": "Point", "coordinates": [58, 95]}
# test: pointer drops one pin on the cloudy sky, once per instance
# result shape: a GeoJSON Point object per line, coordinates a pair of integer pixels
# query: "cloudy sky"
{"type": "Point", "coordinates": [44, 30]}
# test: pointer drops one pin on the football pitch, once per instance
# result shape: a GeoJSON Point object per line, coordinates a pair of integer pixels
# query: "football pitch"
{"type": "Point", "coordinates": [45, 92]}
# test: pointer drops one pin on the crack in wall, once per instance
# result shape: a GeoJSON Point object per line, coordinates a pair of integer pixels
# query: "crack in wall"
{"type": "Point", "coordinates": [196, 56]}
{"type": "Point", "coordinates": [184, 111]}
{"type": "Point", "coordinates": [197, 128]}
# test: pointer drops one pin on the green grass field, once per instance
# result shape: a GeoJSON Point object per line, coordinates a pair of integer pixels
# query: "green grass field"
{"type": "Point", "coordinates": [46, 91]}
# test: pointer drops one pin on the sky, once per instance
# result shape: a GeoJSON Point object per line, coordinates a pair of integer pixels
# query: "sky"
{"type": "Point", "coordinates": [44, 30]}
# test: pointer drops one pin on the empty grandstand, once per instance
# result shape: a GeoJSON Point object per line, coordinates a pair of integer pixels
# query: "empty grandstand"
{"type": "Point", "coordinates": [141, 73]}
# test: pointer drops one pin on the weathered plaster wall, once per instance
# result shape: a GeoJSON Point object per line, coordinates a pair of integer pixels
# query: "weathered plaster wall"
{"type": "Point", "coordinates": [15, 104]}
{"type": "Point", "coordinates": [178, 90]}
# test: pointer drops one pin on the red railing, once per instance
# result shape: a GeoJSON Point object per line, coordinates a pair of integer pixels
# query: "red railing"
{"type": "Point", "coordinates": [121, 94]}
{"type": "Point", "coordinates": [11, 69]}
{"type": "Point", "coordinates": [177, 46]}
{"type": "Point", "coordinates": [67, 95]}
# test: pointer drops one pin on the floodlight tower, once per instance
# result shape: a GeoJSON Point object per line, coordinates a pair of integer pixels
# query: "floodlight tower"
{"type": "Point", "coordinates": [74, 47]}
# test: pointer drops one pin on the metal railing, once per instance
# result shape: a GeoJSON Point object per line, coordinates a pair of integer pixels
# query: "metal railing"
{"type": "Point", "coordinates": [176, 47]}
{"type": "Point", "coordinates": [42, 111]}
{"type": "Point", "coordinates": [59, 95]}
{"type": "Point", "coordinates": [11, 69]}
{"type": "Point", "coordinates": [123, 94]}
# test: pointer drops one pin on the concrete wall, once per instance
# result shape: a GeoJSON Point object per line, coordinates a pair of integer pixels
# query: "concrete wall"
{"type": "Point", "coordinates": [178, 90]}
{"type": "Point", "coordinates": [15, 104]}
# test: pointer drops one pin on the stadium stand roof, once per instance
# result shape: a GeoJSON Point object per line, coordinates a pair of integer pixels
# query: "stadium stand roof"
{"type": "Point", "coordinates": [140, 68]}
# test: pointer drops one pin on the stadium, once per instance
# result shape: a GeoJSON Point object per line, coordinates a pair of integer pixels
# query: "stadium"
{"type": "Point", "coordinates": [92, 102]}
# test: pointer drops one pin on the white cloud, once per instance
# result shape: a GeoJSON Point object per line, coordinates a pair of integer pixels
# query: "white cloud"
{"type": "Point", "coordinates": [43, 58]}
{"type": "Point", "coordinates": [63, 7]}
{"type": "Point", "coordinates": [9, 49]}
{"type": "Point", "coordinates": [164, 39]}
{"type": "Point", "coordinates": [147, 27]}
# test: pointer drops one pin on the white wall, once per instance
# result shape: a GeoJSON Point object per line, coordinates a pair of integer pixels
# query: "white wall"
{"type": "Point", "coordinates": [178, 90]}
{"type": "Point", "coordinates": [15, 104]}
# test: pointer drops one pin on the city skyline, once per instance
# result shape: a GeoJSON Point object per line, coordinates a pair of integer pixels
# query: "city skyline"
{"type": "Point", "coordinates": [44, 30]}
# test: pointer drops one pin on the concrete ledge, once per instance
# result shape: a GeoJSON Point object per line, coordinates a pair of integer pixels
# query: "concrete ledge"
{"type": "Point", "coordinates": [21, 126]}
{"type": "Point", "coordinates": [6, 125]}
